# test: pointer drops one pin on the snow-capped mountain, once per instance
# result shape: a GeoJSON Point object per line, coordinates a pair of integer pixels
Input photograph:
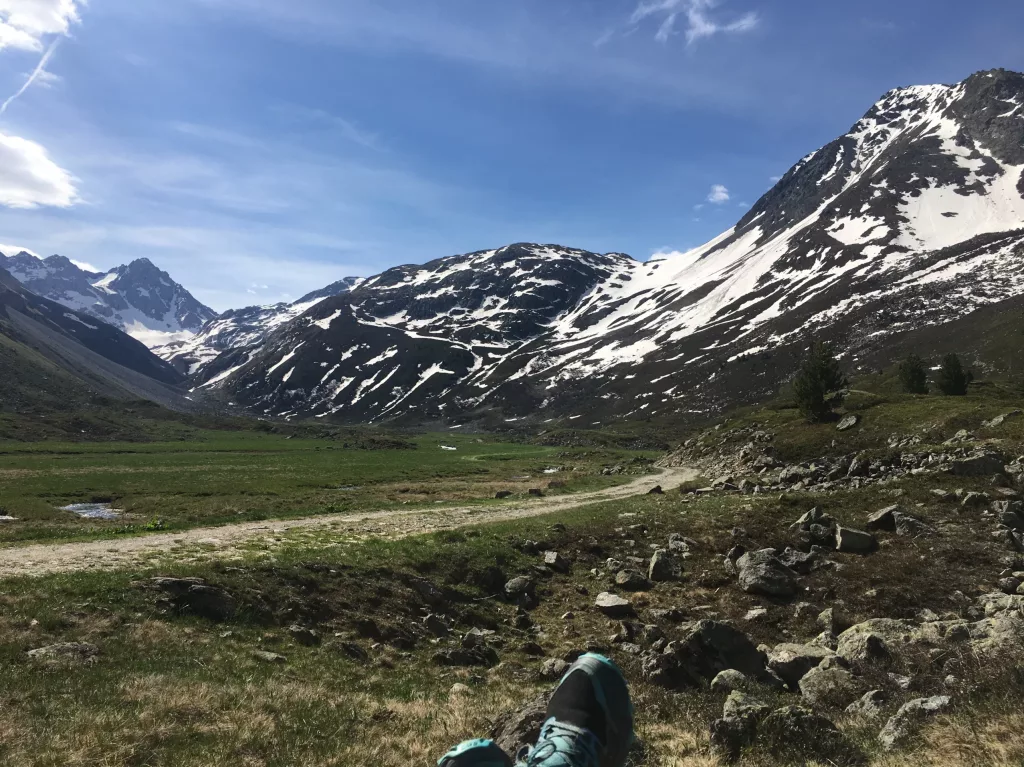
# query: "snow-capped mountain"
{"type": "Point", "coordinates": [236, 331]}
{"type": "Point", "coordinates": [138, 298]}
{"type": "Point", "coordinates": [915, 217]}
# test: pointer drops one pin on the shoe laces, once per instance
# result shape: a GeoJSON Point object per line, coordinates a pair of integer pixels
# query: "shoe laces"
{"type": "Point", "coordinates": [563, 745]}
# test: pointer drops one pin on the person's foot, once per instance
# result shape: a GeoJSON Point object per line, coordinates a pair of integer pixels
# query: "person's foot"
{"type": "Point", "coordinates": [590, 718]}
{"type": "Point", "coordinates": [476, 753]}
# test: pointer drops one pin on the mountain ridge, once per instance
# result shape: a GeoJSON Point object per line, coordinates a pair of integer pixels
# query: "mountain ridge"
{"type": "Point", "coordinates": [137, 297]}
{"type": "Point", "coordinates": [920, 199]}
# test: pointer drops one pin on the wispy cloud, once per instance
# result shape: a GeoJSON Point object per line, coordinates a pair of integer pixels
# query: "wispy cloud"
{"type": "Point", "coordinates": [697, 14]}
{"type": "Point", "coordinates": [29, 178]}
{"type": "Point", "coordinates": [718, 194]}
{"type": "Point", "coordinates": [344, 127]}
{"type": "Point", "coordinates": [35, 75]}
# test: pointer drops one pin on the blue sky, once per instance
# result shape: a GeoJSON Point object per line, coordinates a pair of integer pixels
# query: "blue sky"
{"type": "Point", "coordinates": [257, 149]}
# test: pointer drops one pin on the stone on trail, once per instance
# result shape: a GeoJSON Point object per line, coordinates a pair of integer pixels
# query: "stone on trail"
{"type": "Point", "coordinates": [520, 727]}
{"type": "Point", "coordinates": [502, 494]}
{"type": "Point", "coordinates": [656, 490]}
{"type": "Point", "coordinates": [613, 605]}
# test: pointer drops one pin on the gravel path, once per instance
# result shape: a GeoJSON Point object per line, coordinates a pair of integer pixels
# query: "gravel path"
{"type": "Point", "coordinates": [212, 542]}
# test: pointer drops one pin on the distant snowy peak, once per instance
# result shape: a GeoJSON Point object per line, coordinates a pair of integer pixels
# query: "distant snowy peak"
{"type": "Point", "coordinates": [138, 298]}
{"type": "Point", "coordinates": [238, 329]}
{"type": "Point", "coordinates": [915, 217]}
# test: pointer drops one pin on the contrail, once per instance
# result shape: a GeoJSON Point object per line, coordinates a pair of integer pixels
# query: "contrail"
{"type": "Point", "coordinates": [32, 77]}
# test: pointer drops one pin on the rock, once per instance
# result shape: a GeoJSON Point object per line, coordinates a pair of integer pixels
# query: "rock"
{"type": "Point", "coordinates": [847, 423]}
{"type": "Point", "coordinates": [352, 650]}
{"type": "Point", "coordinates": [708, 648]}
{"type": "Point", "coordinates": [911, 526]}
{"type": "Point", "coordinates": [833, 621]}
{"type": "Point", "coordinates": [761, 572]}
{"type": "Point", "coordinates": [557, 562]}
{"type": "Point", "coordinates": [854, 541]}
{"type": "Point", "coordinates": [663, 567]}
{"type": "Point", "coordinates": [755, 613]}
{"type": "Point", "coordinates": [304, 636]}
{"type": "Point", "coordinates": [884, 519]}
{"type": "Point", "coordinates": [195, 596]}
{"type": "Point", "coordinates": [729, 680]}
{"type": "Point", "coordinates": [874, 639]}
{"type": "Point", "coordinates": [77, 652]}
{"type": "Point", "coordinates": [269, 657]}
{"type": "Point", "coordinates": [520, 586]}
{"type": "Point", "coordinates": [798, 561]}
{"type": "Point", "coordinates": [831, 686]}
{"type": "Point", "coordinates": [553, 668]}
{"type": "Point", "coordinates": [791, 662]}
{"type": "Point", "coordinates": [520, 727]}
{"type": "Point", "coordinates": [431, 594]}
{"type": "Point", "coordinates": [631, 580]}
{"type": "Point", "coordinates": [738, 726]}
{"type": "Point", "coordinates": [813, 517]}
{"type": "Point", "coordinates": [978, 465]}
{"type": "Point", "coordinates": [477, 655]}
{"type": "Point", "coordinates": [613, 605]}
{"type": "Point", "coordinates": [536, 492]}
{"type": "Point", "coordinates": [436, 625]}
{"type": "Point", "coordinates": [503, 494]}
{"type": "Point", "coordinates": [798, 735]}
{"type": "Point", "coordinates": [904, 724]}
{"type": "Point", "coordinates": [656, 490]}
{"type": "Point", "coordinates": [1009, 585]}
{"type": "Point", "coordinates": [869, 705]}
{"type": "Point", "coordinates": [999, 420]}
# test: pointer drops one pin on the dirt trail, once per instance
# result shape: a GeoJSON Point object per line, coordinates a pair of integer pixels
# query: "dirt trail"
{"type": "Point", "coordinates": [212, 542]}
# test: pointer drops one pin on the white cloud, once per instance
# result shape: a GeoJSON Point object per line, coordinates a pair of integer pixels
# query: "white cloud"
{"type": "Point", "coordinates": [85, 265]}
{"type": "Point", "coordinates": [699, 23]}
{"type": "Point", "coordinates": [773, 179]}
{"type": "Point", "coordinates": [29, 178]}
{"type": "Point", "coordinates": [39, 17]}
{"type": "Point", "coordinates": [13, 250]}
{"type": "Point", "coordinates": [718, 194]}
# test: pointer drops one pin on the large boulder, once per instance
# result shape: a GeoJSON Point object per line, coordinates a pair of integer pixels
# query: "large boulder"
{"type": "Point", "coordinates": [791, 661]}
{"type": "Point", "coordinates": [978, 465]}
{"type": "Point", "coordinates": [762, 572]}
{"type": "Point", "coordinates": [709, 648]}
{"type": "Point", "coordinates": [663, 566]}
{"type": "Point", "coordinates": [903, 725]}
{"type": "Point", "coordinates": [613, 605]}
{"type": "Point", "coordinates": [874, 639]}
{"type": "Point", "coordinates": [738, 726]}
{"type": "Point", "coordinates": [799, 735]}
{"type": "Point", "coordinates": [831, 686]}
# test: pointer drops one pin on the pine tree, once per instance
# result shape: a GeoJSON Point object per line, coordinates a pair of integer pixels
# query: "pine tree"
{"type": "Point", "coordinates": [818, 376]}
{"type": "Point", "coordinates": [952, 378]}
{"type": "Point", "coordinates": [913, 375]}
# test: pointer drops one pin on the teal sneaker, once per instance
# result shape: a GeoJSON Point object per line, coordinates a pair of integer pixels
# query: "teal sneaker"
{"type": "Point", "coordinates": [590, 718]}
{"type": "Point", "coordinates": [476, 753]}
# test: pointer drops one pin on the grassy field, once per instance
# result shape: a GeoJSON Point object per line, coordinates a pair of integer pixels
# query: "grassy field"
{"type": "Point", "coordinates": [220, 476]}
{"type": "Point", "coordinates": [170, 688]}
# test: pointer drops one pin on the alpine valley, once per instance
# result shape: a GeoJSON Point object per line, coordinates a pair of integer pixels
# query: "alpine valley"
{"type": "Point", "coordinates": [908, 227]}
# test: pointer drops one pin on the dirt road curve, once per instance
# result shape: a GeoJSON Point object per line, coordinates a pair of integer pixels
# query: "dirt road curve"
{"type": "Point", "coordinates": [43, 559]}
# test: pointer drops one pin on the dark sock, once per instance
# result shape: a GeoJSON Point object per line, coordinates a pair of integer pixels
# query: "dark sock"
{"type": "Point", "coordinates": [575, 702]}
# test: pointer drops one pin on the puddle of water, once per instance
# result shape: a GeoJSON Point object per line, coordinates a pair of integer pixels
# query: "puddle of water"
{"type": "Point", "coordinates": [93, 510]}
